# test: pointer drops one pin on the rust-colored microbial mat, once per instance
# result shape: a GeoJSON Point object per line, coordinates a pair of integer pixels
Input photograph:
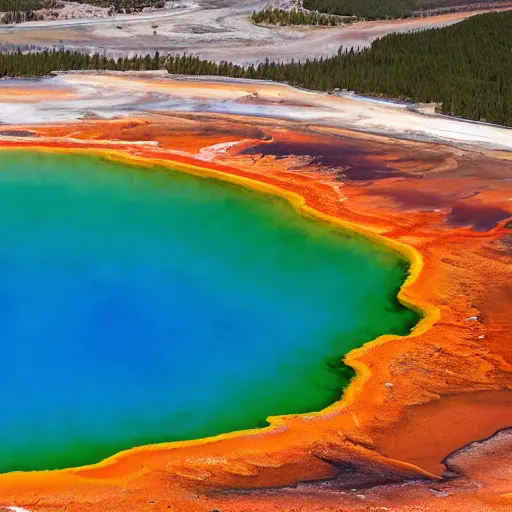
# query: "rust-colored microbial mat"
{"type": "Point", "coordinates": [424, 425]}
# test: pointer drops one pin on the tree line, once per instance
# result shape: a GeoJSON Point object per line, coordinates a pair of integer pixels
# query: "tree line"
{"type": "Point", "coordinates": [376, 9]}
{"type": "Point", "coordinates": [19, 5]}
{"type": "Point", "coordinates": [465, 68]}
{"type": "Point", "coordinates": [18, 11]}
{"type": "Point", "coordinates": [285, 17]}
{"type": "Point", "coordinates": [124, 6]}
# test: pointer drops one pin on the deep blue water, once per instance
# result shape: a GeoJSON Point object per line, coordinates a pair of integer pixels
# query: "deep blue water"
{"type": "Point", "coordinates": [141, 306]}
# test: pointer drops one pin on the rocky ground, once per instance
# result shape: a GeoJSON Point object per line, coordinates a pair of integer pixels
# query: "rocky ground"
{"type": "Point", "coordinates": [71, 10]}
{"type": "Point", "coordinates": [66, 10]}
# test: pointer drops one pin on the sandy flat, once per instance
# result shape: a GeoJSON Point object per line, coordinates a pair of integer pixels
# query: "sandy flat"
{"type": "Point", "coordinates": [216, 30]}
{"type": "Point", "coordinates": [71, 96]}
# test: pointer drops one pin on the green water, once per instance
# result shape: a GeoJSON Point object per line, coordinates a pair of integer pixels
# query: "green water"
{"type": "Point", "coordinates": [140, 306]}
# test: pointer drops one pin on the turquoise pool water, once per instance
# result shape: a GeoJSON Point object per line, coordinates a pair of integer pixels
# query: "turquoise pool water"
{"type": "Point", "coordinates": [139, 306]}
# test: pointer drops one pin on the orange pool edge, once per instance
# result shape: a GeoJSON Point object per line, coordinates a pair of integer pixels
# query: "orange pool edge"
{"type": "Point", "coordinates": [429, 313]}
{"type": "Point", "coordinates": [120, 468]}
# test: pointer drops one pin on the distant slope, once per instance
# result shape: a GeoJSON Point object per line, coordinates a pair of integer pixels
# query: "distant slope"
{"type": "Point", "coordinates": [383, 9]}
{"type": "Point", "coordinates": [19, 11]}
{"type": "Point", "coordinates": [466, 68]}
